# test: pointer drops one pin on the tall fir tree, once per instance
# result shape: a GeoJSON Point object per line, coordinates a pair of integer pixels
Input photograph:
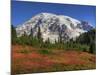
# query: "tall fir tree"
{"type": "Point", "coordinates": [13, 31]}
{"type": "Point", "coordinates": [39, 35]}
{"type": "Point", "coordinates": [13, 34]}
{"type": "Point", "coordinates": [31, 33]}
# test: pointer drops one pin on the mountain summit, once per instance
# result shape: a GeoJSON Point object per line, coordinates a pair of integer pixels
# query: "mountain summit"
{"type": "Point", "coordinates": [52, 26]}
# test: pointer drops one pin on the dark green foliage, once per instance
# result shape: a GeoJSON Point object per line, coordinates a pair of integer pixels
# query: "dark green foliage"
{"type": "Point", "coordinates": [39, 37]}
{"type": "Point", "coordinates": [47, 41]}
{"type": "Point", "coordinates": [85, 42]}
{"type": "Point", "coordinates": [88, 38]}
{"type": "Point", "coordinates": [33, 41]}
{"type": "Point", "coordinates": [44, 51]}
{"type": "Point", "coordinates": [60, 40]}
{"type": "Point", "coordinates": [92, 48]}
{"type": "Point", "coordinates": [84, 48]}
{"type": "Point", "coordinates": [13, 36]}
{"type": "Point", "coordinates": [31, 33]}
{"type": "Point", "coordinates": [13, 31]}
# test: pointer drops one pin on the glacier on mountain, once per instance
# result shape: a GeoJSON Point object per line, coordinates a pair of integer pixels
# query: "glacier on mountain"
{"type": "Point", "coordinates": [51, 25]}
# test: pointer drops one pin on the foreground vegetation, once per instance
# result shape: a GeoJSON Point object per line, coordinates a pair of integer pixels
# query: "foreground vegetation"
{"type": "Point", "coordinates": [26, 59]}
{"type": "Point", "coordinates": [32, 55]}
{"type": "Point", "coordinates": [85, 42]}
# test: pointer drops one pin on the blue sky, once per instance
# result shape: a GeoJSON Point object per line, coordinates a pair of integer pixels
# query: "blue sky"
{"type": "Point", "coordinates": [22, 11]}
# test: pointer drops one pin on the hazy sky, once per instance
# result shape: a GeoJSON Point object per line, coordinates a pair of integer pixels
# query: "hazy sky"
{"type": "Point", "coordinates": [22, 11]}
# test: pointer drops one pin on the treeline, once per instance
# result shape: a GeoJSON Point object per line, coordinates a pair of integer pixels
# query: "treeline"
{"type": "Point", "coordinates": [86, 41]}
{"type": "Point", "coordinates": [89, 39]}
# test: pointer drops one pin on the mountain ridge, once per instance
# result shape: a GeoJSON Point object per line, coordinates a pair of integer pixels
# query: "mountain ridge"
{"type": "Point", "coordinates": [51, 25]}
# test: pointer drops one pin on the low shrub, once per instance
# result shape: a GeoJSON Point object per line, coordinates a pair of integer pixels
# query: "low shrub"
{"type": "Point", "coordinates": [44, 51]}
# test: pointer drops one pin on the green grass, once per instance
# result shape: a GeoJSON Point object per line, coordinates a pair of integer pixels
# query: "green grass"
{"type": "Point", "coordinates": [44, 51]}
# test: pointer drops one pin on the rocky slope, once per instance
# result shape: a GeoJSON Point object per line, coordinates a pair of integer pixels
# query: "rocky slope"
{"type": "Point", "coordinates": [52, 26]}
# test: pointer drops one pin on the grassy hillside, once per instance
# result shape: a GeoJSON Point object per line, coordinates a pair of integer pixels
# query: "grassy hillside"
{"type": "Point", "coordinates": [27, 59]}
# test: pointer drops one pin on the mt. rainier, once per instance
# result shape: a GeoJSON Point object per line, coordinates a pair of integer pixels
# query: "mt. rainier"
{"type": "Point", "coordinates": [52, 26]}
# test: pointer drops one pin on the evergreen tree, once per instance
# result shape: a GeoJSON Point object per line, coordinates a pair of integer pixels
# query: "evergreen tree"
{"type": "Point", "coordinates": [47, 41]}
{"type": "Point", "coordinates": [60, 36]}
{"type": "Point", "coordinates": [13, 31]}
{"type": "Point", "coordinates": [13, 34]}
{"type": "Point", "coordinates": [89, 39]}
{"type": "Point", "coordinates": [31, 33]}
{"type": "Point", "coordinates": [92, 47]}
{"type": "Point", "coordinates": [25, 34]}
{"type": "Point", "coordinates": [39, 33]}
{"type": "Point", "coordinates": [39, 37]}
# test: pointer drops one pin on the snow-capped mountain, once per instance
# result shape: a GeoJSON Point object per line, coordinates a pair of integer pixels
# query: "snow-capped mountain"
{"type": "Point", "coordinates": [52, 26]}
